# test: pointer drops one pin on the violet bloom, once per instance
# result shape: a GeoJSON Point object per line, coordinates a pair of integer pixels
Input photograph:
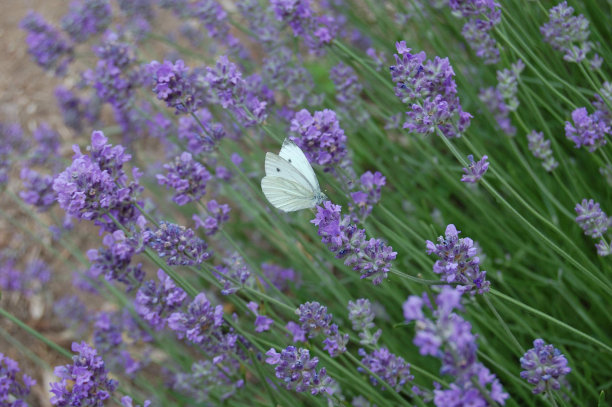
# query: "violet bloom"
{"type": "Point", "coordinates": [12, 392]}
{"type": "Point", "coordinates": [200, 140]}
{"type": "Point", "coordinates": [38, 189]}
{"type": "Point", "coordinates": [361, 316]}
{"type": "Point", "coordinates": [369, 194]}
{"type": "Point", "coordinates": [545, 367]}
{"type": "Point", "coordinates": [588, 130]}
{"type": "Point", "coordinates": [430, 90]}
{"type": "Point", "coordinates": [198, 322]}
{"type": "Point", "coordinates": [567, 33]}
{"type": "Point", "coordinates": [282, 278]}
{"type": "Point", "coordinates": [346, 82]}
{"type": "Point", "coordinates": [173, 84]}
{"type": "Point", "coordinates": [111, 84]}
{"type": "Point", "coordinates": [593, 221]}
{"type": "Point", "coordinates": [228, 88]}
{"type": "Point", "coordinates": [46, 45]}
{"type": "Point", "coordinates": [372, 258]}
{"type": "Point", "coordinates": [85, 382]}
{"type": "Point", "coordinates": [602, 101]}
{"type": "Point", "coordinates": [448, 337]}
{"type": "Point", "coordinates": [111, 49]}
{"type": "Point", "coordinates": [27, 281]}
{"type": "Point", "coordinates": [154, 302]}
{"type": "Point", "coordinates": [475, 169]}
{"type": "Point", "coordinates": [177, 244]}
{"type": "Point", "coordinates": [95, 185]}
{"type": "Point", "coordinates": [46, 150]}
{"type": "Point", "coordinates": [187, 176]}
{"type": "Point", "coordinates": [87, 18]}
{"type": "Point", "coordinates": [315, 320]}
{"type": "Point", "coordinates": [262, 322]}
{"type": "Point", "coordinates": [482, 17]}
{"type": "Point", "coordinates": [107, 338]}
{"type": "Point", "coordinates": [320, 137]}
{"type": "Point", "coordinates": [217, 215]}
{"type": "Point", "coordinates": [114, 260]}
{"type": "Point", "coordinates": [297, 371]}
{"type": "Point", "coordinates": [458, 262]}
{"type": "Point", "coordinates": [234, 274]}
{"type": "Point", "coordinates": [541, 149]}
{"type": "Point", "coordinates": [394, 370]}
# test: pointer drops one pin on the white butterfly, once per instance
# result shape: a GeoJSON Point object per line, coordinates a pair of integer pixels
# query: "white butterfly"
{"type": "Point", "coordinates": [290, 183]}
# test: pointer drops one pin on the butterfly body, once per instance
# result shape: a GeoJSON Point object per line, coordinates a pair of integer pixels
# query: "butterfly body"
{"type": "Point", "coordinates": [290, 183]}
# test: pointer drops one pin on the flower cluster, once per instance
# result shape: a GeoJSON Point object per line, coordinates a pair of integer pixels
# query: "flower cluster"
{"type": "Point", "coordinates": [108, 340]}
{"type": "Point", "coordinates": [38, 189]}
{"type": "Point", "coordinates": [46, 45]}
{"type": "Point", "coordinates": [297, 370]}
{"type": "Point", "coordinates": [282, 278]}
{"type": "Point", "coordinates": [12, 392]}
{"type": "Point", "coordinates": [198, 321]}
{"type": "Point", "coordinates": [475, 169]}
{"type": "Point", "coordinates": [372, 258]}
{"type": "Point", "coordinates": [430, 90]}
{"type": "Point", "coordinates": [114, 260]}
{"type": "Point", "coordinates": [75, 109]}
{"type": "Point", "coordinates": [217, 215]}
{"type": "Point", "coordinates": [200, 140]}
{"type": "Point", "coordinates": [602, 103]}
{"type": "Point", "coordinates": [187, 176]}
{"type": "Point", "coordinates": [545, 367]}
{"type": "Point", "coordinates": [87, 18]}
{"type": "Point", "coordinates": [448, 337]}
{"type": "Point", "coordinates": [458, 262]}
{"type": "Point", "coordinates": [588, 130]}
{"type": "Point", "coordinates": [154, 302]}
{"type": "Point", "coordinates": [482, 16]}
{"type": "Point", "coordinates": [541, 149]}
{"type": "Point", "coordinates": [394, 370]}
{"type": "Point", "coordinates": [361, 316]}
{"type": "Point", "coordinates": [346, 82]}
{"type": "Point", "coordinates": [502, 99]}
{"type": "Point", "coordinates": [595, 224]}
{"type": "Point", "coordinates": [369, 194]}
{"type": "Point", "coordinates": [314, 320]}
{"type": "Point", "coordinates": [28, 281]}
{"type": "Point", "coordinates": [47, 146]}
{"type": "Point", "coordinates": [95, 186]}
{"type": "Point", "coordinates": [234, 273]}
{"type": "Point", "coordinates": [262, 322]}
{"type": "Point", "coordinates": [173, 84]}
{"type": "Point", "coordinates": [320, 137]}
{"type": "Point", "coordinates": [177, 244]}
{"type": "Point", "coordinates": [316, 31]}
{"type": "Point", "coordinates": [85, 382]}
{"type": "Point", "coordinates": [228, 88]}
{"type": "Point", "coordinates": [567, 33]}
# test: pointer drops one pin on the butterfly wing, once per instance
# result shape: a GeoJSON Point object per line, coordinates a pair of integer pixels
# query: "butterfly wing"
{"type": "Point", "coordinates": [286, 195]}
{"type": "Point", "coordinates": [277, 166]}
{"type": "Point", "coordinates": [296, 157]}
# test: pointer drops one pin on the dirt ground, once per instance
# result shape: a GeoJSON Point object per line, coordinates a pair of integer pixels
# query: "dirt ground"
{"type": "Point", "coordinates": [26, 97]}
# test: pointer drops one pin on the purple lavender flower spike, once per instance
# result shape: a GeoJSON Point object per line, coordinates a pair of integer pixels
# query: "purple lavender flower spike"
{"type": "Point", "coordinates": [281, 277]}
{"type": "Point", "coordinates": [588, 130]}
{"type": "Point", "coordinates": [200, 140]}
{"type": "Point", "coordinates": [314, 319]}
{"type": "Point", "coordinates": [372, 258]}
{"type": "Point", "coordinates": [592, 219]}
{"type": "Point", "coordinates": [448, 337]}
{"type": "Point", "coordinates": [336, 341]}
{"type": "Point", "coordinates": [46, 45]}
{"type": "Point", "coordinates": [47, 146]}
{"type": "Point", "coordinates": [391, 368]}
{"type": "Point", "coordinates": [187, 176]}
{"type": "Point", "coordinates": [38, 189]}
{"type": "Point", "coordinates": [236, 268]}
{"type": "Point", "coordinates": [541, 149]}
{"type": "Point", "coordinates": [218, 214]}
{"type": "Point", "coordinates": [458, 262]}
{"type": "Point", "coordinates": [198, 321]}
{"type": "Point", "coordinates": [155, 302]}
{"type": "Point", "coordinates": [177, 244]}
{"type": "Point", "coordinates": [87, 18]}
{"type": "Point", "coordinates": [297, 370]}
{"type": "Point", "coordinates": [12, 392]}
{"type": "Point", "coordinates": [545, 367]}
{"type": "Point", "coordinates": [85, 382]}
{"type": "Point", "coordinates": [475, 170]}
{"type": "Point", "coordinates": [262, 322]}
{"type": "Point", "coordinates": [361, 316]}
{"type": "Point", "coordinates": [320, 137]}
{"type": "Point", "coordinates": [346, 82]}
{"type": "Point", "coordinates": [567, 33]}
{"type": "Point", "coordinates": [369, 194]}
{"type": "Point", "coordinates": [429, 89]}
{"type": "Point", "coordinates": [173, 85]}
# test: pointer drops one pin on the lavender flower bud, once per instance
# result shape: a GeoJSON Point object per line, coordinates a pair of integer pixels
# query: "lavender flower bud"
{"type": "Point", "coordinates": [545, 367]}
